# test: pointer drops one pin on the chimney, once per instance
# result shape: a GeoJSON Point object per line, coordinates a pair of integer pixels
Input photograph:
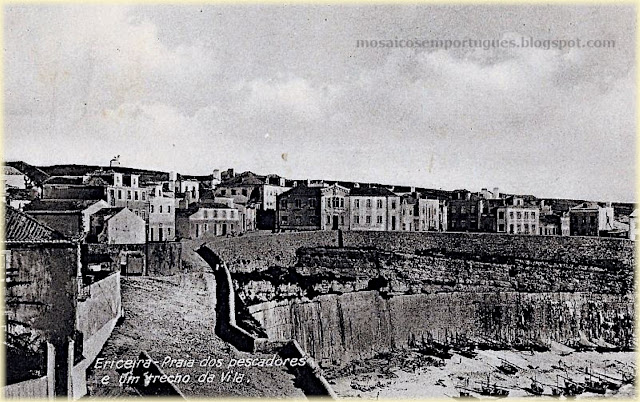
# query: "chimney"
{"type": "Point", "coordinates": [496, 192]}
{"type": "Point", "coordinates": [282, 182]}
{"type": "Point", "coordinates": [485, 193]}
{"type": "Point", "coordinates": [413, 189]}
{"type": "Point", "coordinates": [216, 174]}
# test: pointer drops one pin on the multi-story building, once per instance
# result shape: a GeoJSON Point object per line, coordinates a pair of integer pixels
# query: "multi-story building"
{"type": "Point", "coordinates": [161, 222]}
{"type": "Point", "coordinates": [591, 219]}
{"type": "Point", "coordinates": [464, 211]}
{"type": "Point", "coordinates": [374, 208]}
{"type": "Point", "coordinates": [69, 217]}
{"type": "Point", "coordinates": [334, 208]}
{"type": "Point", "coordinates": [117, 225]}
{"type": "Point", "coordinates": [212, 218]}
{"type": "Point", "coordinates": [422, 214]}
{"type": "Point", "coordinates": [517, 218]}
{"type": "Point", "coordinates": [299, 209]}
{"type": "Point", "coordinates": [554, 224]}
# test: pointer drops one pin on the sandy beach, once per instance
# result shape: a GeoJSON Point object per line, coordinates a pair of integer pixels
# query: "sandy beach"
{"type": "Point", "coordinates": [398, 377]}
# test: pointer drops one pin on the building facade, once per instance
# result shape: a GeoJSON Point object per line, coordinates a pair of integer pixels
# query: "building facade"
{"type": "Point", "coordinates": [375, 209]}
{"type": "Point", "coordinates": [518, 218]}
{"type": "Point", "coordinates": [591, 219]}
{"type": "Point", "coordinates": [299, 209]}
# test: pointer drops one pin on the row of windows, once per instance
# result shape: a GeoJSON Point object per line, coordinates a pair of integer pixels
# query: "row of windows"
{"type": "Point", "coordinates": [367, 219]}
{"type": "Point", "coordinates": [159, 234]}
{"type": "Point", "coordinates": [160, 209]}
{"type": "Point", "coordinates": [518, 215]}
{"type": "Point", "coordinates": [299, 203]}
{"type": "Point", "coordinates": [218, 214]}
{"type": "Point", "coordinates": [135, 195]}
{"type": "Point", "coordinates": [378, 204]}
{"type": "Point", "coordinates": [233, 191]}
{"type": "Point", "coordinates": [463, 210]}
{"type": "Point", "coordinates": [312, 220]}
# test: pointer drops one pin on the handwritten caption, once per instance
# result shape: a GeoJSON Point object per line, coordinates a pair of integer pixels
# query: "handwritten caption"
{"type": "Point", "coordinates": [207, 370]}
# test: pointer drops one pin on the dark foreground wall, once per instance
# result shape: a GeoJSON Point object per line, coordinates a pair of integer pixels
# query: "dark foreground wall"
{"type": "Point", "coordinates": [361, 324]}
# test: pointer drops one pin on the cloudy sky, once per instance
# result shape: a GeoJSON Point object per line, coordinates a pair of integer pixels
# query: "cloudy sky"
{"type": "Point", "coordinates": [284, 89]}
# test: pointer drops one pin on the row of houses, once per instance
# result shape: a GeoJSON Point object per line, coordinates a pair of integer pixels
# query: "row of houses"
{"type": "Point", "coordinates": [331, 207]}
{"type": "Point", "coordinates": [174, 206]}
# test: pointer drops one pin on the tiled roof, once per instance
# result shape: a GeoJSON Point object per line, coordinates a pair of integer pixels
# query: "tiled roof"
{"type": "Point", "coordinates": [108, 211]}
{"type": "Point", "coordinates": [243, 179]}
{"type": "Point", "coordinates": [60, 205]}
{"type": "Point", "coordinates": [20, 227]}
{"type": "Point", "coordinates": [302, 190]}
{"type": "Point", "coordinates": [372, 192]}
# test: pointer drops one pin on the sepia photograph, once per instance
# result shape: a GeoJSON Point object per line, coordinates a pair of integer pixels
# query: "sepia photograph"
{"type": "Point", "coordinates": [298, 200]}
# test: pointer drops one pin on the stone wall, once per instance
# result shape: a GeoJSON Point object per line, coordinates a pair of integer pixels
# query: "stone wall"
{"type": "Point", "coordinates": [249, 253]}
{"type": "Point", "coordinates": [358, 325]}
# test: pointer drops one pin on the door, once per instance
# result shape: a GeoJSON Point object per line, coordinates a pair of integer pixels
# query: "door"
{"type": "Point", "coordinates": [335, 222]}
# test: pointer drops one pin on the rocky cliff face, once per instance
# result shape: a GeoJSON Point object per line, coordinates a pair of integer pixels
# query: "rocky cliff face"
{"type": "Point", "coordinates": [387, 290]}
{"type": "Point", "coordinates": [339, 328]}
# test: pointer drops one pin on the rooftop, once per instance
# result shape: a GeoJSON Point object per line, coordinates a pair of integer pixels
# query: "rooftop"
{"type": "Point", "coordinates": [20, 227]}
{"type": "Point", "coordinates": [372, 192]}
{"type": "Point", "coordinates": [59, 205]}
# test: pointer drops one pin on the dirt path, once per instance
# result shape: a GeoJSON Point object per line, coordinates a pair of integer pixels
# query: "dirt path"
{"type": "Point", "coordinates": [170, 318]}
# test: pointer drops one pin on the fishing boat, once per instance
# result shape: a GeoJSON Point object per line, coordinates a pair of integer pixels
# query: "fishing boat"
{"type": "Point", "coordinates": [535, 388]}
{"type": "Point", "coordinates": [572, 388]}
{"type": "Point", "coordinates": [494, 389]}
{"type": "Point", "coordinates": [592, 384]}
{"type": "Point", "coordinates": [507, 367]}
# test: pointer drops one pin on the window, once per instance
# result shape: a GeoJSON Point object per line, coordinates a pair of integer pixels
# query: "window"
{"type": "Point", "coordinates": [135, 195]}
{"type": "Point", "coordinates": [519, 214]}
{"type": "Point", "coordinates": [328, 219]}
{"type": "Point", "coordinates": [526, 228]}
{"type": "Point", "coordinates": [312, 202]}
{"type": "Point", "coordinates": [368, 219]}
{"type": "Point", "coordinates": [206, 227]}
{"type": "Point", "coordinates": [244, 192]}
{"type": "Point", "coordinates": [356, 219]}
{"type": "Point", "coordinates": [160, 208]}
{"type": "Point", "coordinates": [393, 205]}
{"type": "Point", "coordinates": [533, 215]}
{"type": "Point", "coordinates": [473, 209]}
{"type": "Point", "coordinates": [206, 214]}
{"type": "Point", "coordinates": [379, 219]}
{"type": "Point", "coordinates": [511, 228]}
{"type": "Point", "coordinates": [511, 214]}
{"type": "Point", "coordinates": [144, 195]}
{"type": "Point", "coordinates": [341, 202]}
{"type": "Point", "coordinates": [223, 192]}
{"type": "Point", "coordinates": [533, 229]}
{"type": "Point", "coordinates": [284, 218]}
{"type": "Point", "coordinates": [501, 227]}
{"type": "Point", "coordinates": [234, 192]}
{"type": "Point", "coordinates": [342, 220]}
{"type": "Point", "coordinates": [283, 203]}
{"type": "Point", "coordinates": [298, 203]}
{"type": "Point", "coordinates": [357, 203]}
{"type": "Point", "coordinates": [168, 209]}
{"type": "Point", "coordinates": [151, 233]}
{"type": "Point", "coordinates": [168, 231]}
{"type": "Point", "coordinates": [151, 209]}
{"type": "Point", "coordinates": [129, 195]}
{"type": "Point", "coordinates": [526, 215]}
{"type": "Point", "coordinates": [119, 194]}
{"type": "Point", "coordinates": [224, 214]}
{"type": "Point", "coordinates": [501, 216]}
{"type": "Point", "coordinates": [368, 203]}
{"type": "Point", "coordinates": [215, 213]}
{"type": "Point", "coordinates": [463, 210]}
{"type": "Point", "coordinates": [232, 214]}
{"type": "Point", "coordinates": [379, 203]}
{"type": "Point", "coordinates": [136, 212]}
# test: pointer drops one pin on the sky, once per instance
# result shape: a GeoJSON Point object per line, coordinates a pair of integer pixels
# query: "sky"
{"type": "Point", "coordinates": [285, 89]}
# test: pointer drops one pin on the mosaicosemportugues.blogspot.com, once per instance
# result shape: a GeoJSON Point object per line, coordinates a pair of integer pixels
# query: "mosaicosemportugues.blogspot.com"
{"type": "Point", "coordinates": [487, 44]}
